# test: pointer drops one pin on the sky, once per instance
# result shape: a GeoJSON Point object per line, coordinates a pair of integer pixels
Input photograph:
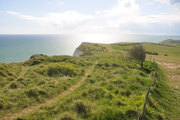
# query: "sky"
{"type": "Point", "coordinates": [147, 17]}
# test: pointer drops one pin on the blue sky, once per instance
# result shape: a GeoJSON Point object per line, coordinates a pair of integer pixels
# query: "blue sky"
{"type": "Point", "coordinates": [154, 17]}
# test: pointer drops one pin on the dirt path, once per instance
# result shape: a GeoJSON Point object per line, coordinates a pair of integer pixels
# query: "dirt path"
{"type": "Point", "coordinates": [24, 70]}
{"type": "Point", "coordinates": [50, 101]}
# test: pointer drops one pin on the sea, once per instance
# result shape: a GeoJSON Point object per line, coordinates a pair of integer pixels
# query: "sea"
{"type": "Point", "coordinates": [18, 48]}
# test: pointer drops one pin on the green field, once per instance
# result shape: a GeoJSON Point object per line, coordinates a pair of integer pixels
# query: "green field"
{"type": "Point", "coordinates": [101, 84]}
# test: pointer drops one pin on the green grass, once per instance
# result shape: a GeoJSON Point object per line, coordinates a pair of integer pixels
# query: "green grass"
{"type": "Point", "coordinates": [171, 42]}
{"type": "Point", "coordinates": [152, 47]}
{"type": "Point", "coordinates": [39, 82]}
{"type": "Point", "coordinates": [115, 89]}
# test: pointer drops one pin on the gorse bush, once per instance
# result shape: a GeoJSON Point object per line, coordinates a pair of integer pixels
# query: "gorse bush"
{"type": "Point", "coordinates": [59, 70]}
{"type": "Point", "coordinates": [35, 93]}
{"type": "Point", "coordinates": [82, 108]}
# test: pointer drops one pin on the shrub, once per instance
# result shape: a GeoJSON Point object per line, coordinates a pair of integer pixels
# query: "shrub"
{"type": "Point", "coordinates": [159, 117]}
{"type": "Point", "coordinates": [1, 106]}
{"type": "Point", "coordinates": [2, 74]}
{"type": "Point", "coordinates": [142, 74]}
{"type": "Point", "coordinates": [36, 59]}
{"type": "Point", "coordinates": [67, 116]}
{"type": "Point", "coordinates": [148, 67]}
{"type": "Point", "coordinates": [138, 53]}
{"type": "Point", "coordinates": [132, 113]}
{"type": "Point", "coordinates": [92, 81]}
{"type": "Point", "coordinates": [53, 71]}
{"type": "Point", "coordinates": [155, 53]}
{"type": "Point", "coordinates": [120, 103]}
{"type": "Point", "coordinates": [20, 118]}
{"type": "Point", "coordinates": [126, 93]}
{"type": "Point", "coordinates": [35, 93]}
{"type": "Point", "coordinates": [151, 53]}
{"type": "Point", "coordinates": [59, 70]}
{"type": "Point", "coordinates": [82, 109]}
{"type": "Point", "coordinates": [32, 93]}
{"type": "Point", "coordinates": [13, 85]}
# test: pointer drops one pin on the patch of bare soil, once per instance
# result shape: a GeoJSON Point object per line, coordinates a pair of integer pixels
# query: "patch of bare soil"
{"type": "Point", "coordinates": [175, 80]}
{"type": "Point", "coordinates": [174, 77]}
{"type": "Point", "coordinates": [169, 65]}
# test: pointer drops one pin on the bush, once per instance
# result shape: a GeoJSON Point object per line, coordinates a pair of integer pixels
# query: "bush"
{"type": "Point", "coordinates": [32, 93]}
{"type": "Point", "coordinates": [92, 81]}
{"type": "Point", "coordinates": [2, 74]}
{"type": "Point", "coordinates": [82, 109]}
{"type": "Point", "coordinates": [67, 116]}
{"type": "Point", "coordinates": [1, 106]}
{"type": "Point", "coordinates": [155, 53]}
{"type": "Point", "coordinates": [20, 118]}
{"type": "Point", "coordinates": [35, 93]}
{"type": "Point", "coordinates": [59, 70]}
{"type": "Point", "coordinates": [120, 103]}
{"type": "Point", "coordinates": [36, 59]}
{"type": "Point", "coordinates": [148, 67]}
{"type": "Point", "coordinates": [151, 53]}
{"type": "Point", "coordinates": [138, 53]}
{"type": "Point", "coordinates": [13, 85]}
{"type": "Point", "coordinates": [126, 93]}
{"type": "Point", "coordinates": [132, 113]}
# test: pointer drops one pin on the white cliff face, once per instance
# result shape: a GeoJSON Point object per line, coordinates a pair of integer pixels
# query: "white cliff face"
{"type": "Point", "coordinates": [77, 52]}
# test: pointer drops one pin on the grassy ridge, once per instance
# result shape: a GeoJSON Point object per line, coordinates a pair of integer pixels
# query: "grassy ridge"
{"type": "Point", "coordinates": [39, 81]}
{"type": "Point", "coordinates": [114, 90]}
{"type": "Point", "coordinates": [171, 42]}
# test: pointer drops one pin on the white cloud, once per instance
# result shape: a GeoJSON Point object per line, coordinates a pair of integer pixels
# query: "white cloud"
{"type": "Point", "coordinates": [22, 16]}
{"type": "Point", "coordinates": [60, 3]}
{"type": "Point", "coordinates": [126, 13]}
{"type": "Point", "coordinates": [66, 20]}
{"type": "Point", "coordinates": [123, 8]}
{"type": "Point", "coordinates": [168, 1]}
{"type": "Point", "coordinates": [164, 1]}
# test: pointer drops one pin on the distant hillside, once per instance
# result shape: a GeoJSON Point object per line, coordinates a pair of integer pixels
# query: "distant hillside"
{"type": "Point", "coordinates": [171, 42]}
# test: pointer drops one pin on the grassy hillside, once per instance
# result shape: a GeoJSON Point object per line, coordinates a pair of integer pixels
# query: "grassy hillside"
{"type": "Point", "coordinates": [171, 42]}
{"type": "Point", "coordinates": [102, 84]}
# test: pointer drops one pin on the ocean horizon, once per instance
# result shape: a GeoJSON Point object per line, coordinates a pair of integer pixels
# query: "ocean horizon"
{"type": "Point", "coordinates": [18, 48]}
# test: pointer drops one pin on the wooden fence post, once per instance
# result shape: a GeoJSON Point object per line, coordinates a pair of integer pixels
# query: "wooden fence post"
{"type": "Point", "coordinates": [145, 102]}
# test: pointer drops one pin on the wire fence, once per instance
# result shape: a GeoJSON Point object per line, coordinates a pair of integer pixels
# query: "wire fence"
{"type": "Point", "coordinates": [150, 88]}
